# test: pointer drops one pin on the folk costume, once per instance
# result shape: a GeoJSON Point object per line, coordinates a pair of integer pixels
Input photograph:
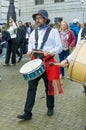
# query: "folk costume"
{"type": "Point", "coordinates": [52, 72]}
{"type": "Point", "coordinates": [53, 45]}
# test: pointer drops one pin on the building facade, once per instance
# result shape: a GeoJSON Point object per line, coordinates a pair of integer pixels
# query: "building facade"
{"type": "Point", "coordinates": [4, 4]}
{"type": "Point", "coordinates": [58, 9]}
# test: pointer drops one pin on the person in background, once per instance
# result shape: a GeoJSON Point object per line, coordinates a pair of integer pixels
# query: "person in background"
{"type": "Point", "coordinates": [51, 76]}
{"type": "Point", "coordinates": [28, 32]}
{"type": "Point", "coordinates": [75, 27]}
{"type": "Point", "coordinates": [79, 34]}
{"type": "Point", "coordinates": [0, 78]}
{"type": "Point", "coordinates": [68, 42]}
{"type": "Point", "coordinates": [21, 38]}
{"type": "Point", "coordinates": [11, 46]}
{"type": "Point", "coordinates": [5, 38]}
{"type": "Point", "coordinates": [57, 26]}
{"type": "Point", "coordinates": [29, 28]}
{"type": "Point", "coordinates": [83, 32]}
{"type": "Point", "coordinates": [0, 42]}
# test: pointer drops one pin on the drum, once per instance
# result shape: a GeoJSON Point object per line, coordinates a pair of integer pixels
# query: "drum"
{"type": "Point", "coordinates": [77, 67]}
{"type": "Point", "coordinates": [32, 69]}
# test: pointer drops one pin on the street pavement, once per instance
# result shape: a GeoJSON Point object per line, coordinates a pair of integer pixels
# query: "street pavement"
{"type": "Point", "coordinates": [69, 111]}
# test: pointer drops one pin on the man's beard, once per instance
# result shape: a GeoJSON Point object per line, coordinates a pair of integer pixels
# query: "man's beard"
{"type": "Point", "coordinates": [38, 24]}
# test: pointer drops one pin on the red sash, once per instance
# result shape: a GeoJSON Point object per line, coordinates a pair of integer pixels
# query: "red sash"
{"type": "Point", "coordinates": [53, 74]}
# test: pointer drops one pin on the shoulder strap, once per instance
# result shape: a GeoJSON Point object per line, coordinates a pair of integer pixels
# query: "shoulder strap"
{"type": "Point", "coordinates": [36, 37]}
{"type": "Point", "coordinates": [45, 37]}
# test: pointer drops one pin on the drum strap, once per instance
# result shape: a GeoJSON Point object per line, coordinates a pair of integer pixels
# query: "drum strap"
{"type": "Point", "coordinates": [36, 37]}
{"type": "Point", "coordinates": [44, 38]}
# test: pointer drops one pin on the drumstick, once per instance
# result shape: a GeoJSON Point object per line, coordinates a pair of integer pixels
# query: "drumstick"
{"type": "Point", "coordinates": [59, 64]}
{"type": "Point", "coordinates": [37, 51]}
{"type": "Point", "coordinates": [34, 52]}
{"type": "Point", "coordinates": [52, 64]}
{"type": "Point", "coordinates": [42, 52]}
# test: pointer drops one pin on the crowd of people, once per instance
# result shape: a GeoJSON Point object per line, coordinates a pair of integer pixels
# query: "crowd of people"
{"type": "Point", "coordinates": [60, 40]}
{"type": "Point", "coordinates": [15, 40]}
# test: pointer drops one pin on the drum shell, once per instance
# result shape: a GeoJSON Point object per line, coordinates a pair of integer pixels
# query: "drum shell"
{"type": "Point", "coordinates": [35, 74]}
{"type": "Point", "coordinates": [31, 70]}
{"type": "Point", "coordinates": [77, 67]}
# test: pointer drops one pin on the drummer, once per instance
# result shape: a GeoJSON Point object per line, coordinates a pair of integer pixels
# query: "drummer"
{"type": "Point", "coordinates": [66, 62]}
{"type": "Point", "coordinates": [51, 76]}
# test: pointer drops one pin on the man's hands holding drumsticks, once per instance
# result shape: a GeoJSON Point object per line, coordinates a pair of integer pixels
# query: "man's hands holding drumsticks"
{"type": "Point", "coordinates": [63, 63]}
{"type": "Point", "coordinates": [28, 53]}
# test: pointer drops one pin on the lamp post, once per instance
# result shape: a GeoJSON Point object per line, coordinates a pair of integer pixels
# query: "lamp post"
{"type": "Point", "coordinates": [82, 1]}
{"type": "Point", "coordinates": [11, 11]}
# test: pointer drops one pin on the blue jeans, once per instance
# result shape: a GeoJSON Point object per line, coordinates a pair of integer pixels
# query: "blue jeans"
{"type": "Point", "coordinates": [62, 56]}
{"type": "Point", "coordinates": [4, 44]}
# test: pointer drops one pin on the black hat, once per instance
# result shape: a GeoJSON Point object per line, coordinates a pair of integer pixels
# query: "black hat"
{"type": "Point", "coordinates": [43, 13]}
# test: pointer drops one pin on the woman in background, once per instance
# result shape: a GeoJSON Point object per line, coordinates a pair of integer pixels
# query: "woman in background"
{"type": "Point", "coordinates": [68, 41]}
{"type": "Point", "coordinates": [12, 44]}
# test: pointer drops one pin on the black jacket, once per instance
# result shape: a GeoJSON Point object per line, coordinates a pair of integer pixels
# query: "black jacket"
{"type": "Point", "coordinates": [83, 33]}
{"type": "Point", "coordinates": [5, 36]}
{"type": "Point", "coordinates": [21, 35]}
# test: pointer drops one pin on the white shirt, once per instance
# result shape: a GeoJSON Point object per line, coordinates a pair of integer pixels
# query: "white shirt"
{"type": "Point", "coordinates": [52, 45]}
{"type": "Point", "coordinates": [79, 35]}
{"type": "Point", "coordinates": [12, 30]}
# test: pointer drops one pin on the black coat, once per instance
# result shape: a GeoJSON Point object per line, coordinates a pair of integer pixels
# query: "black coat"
{"type": "Point", "coordinates": [5, 36]}
{"type": "Point", "coordinates": [83, 33]}
{"type": "Point", "coordinates": [21, 35]}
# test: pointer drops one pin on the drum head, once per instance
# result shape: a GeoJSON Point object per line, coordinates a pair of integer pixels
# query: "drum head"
{"type": "Point", "coordinates": [30, 66]}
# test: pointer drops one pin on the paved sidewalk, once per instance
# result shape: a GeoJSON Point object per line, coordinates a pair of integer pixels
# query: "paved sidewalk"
{"type": "Point", "coordinates": [70, 107]}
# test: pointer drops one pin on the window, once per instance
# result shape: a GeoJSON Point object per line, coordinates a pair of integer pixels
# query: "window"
{"type": "Point", "coordinates": [58, 19]}
{"type": "Point", "coordinates": [55, 1]}
{"type": "Point", "coordinates": [19, 12]}
{"type": "Point", "coordinates": [37, 2]}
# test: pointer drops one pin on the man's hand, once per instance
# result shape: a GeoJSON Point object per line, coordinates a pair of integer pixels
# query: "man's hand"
{"type": "Point", "coordinates": [29, 53]}
{"type": "Point", "coordinates": [46, 53]}
{"type": "Point", "coordinates": [64, 63]}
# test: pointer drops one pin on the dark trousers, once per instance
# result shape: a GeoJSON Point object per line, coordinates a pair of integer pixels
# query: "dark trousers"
{"type": "Point", "coordinates": [21, 50]}
{"type": "Point", "coordinates": [21, 47]}
{"type": "Point", "coordinates": [11, 49]}
{"type": "Point", "coordinates": [31, 94]}
{"type": "Point", "coordinates": [62, 56]}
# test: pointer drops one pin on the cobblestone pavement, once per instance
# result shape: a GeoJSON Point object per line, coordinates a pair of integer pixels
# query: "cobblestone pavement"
{"type": "Point", "coordinates": [70, 107]}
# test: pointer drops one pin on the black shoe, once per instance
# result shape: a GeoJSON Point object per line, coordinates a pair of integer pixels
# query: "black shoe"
{"type": "Point", "coordinates": [50, 112]}
{"type": "Point", "coordinates": [25, 116]}
{"type": "Point", "coordinates": [84, 90]}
